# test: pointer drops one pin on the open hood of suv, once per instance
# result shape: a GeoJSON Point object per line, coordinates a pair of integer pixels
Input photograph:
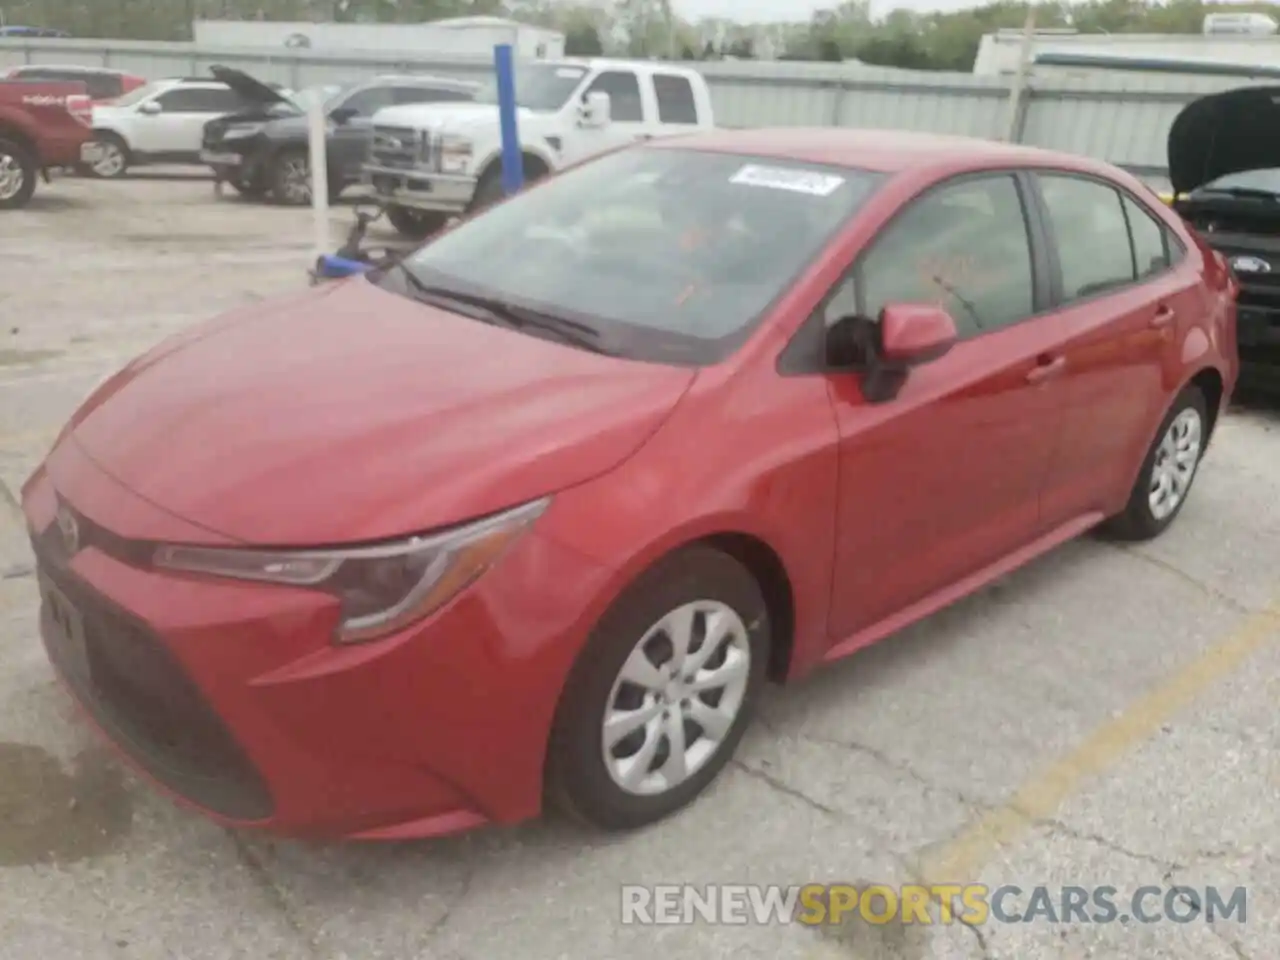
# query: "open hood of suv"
{"type": "Point", "coordinates": [1224, 133]}
{"type": "Point", "coordinates": [248, 87]}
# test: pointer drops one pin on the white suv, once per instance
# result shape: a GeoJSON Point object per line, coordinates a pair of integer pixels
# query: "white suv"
{"type": "Point", "coordinates": [162, 122]}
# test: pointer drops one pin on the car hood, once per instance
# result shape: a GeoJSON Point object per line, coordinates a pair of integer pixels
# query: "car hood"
{"type": "Point", "coordinates": [248, 87]}
{"type": "Point", "coordinates": [1224, 133]}
{"type": "Point", "coordinates": [353, 414]}
{"type": "Point", "coordinates": [433, 116]}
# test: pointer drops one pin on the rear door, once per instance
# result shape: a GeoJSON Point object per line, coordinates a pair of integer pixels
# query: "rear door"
{"type": "Point", "coordinates": [677, 107]}
{"type": "Point", "coordinates": [946, 478]}
{"type": "Point", "coordinates": [1124, 292]}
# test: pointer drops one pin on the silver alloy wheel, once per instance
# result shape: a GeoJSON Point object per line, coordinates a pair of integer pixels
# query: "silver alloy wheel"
{"type": "Point", "coordinates": [12, 177]}
{"type": "Point", "coordinates": [676, 697]}
{"type": "Point", "coordinates": [297, 180]}
{"type": "Point", "coordinates": [111, 161]}
{"type": "Point", "coordinates": [1175, 463]}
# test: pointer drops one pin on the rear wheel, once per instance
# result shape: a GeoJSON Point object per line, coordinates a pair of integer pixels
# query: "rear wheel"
{"type": "Point", "coordinates": [18, 173]}
{"type": "Point", "coordinates": [415, 224]}
{"type": "Point", "coordinates": [662, 694]}
{"type": "Point", "coordinates": [1168, 471]}
{"type": "Point", "coordinates": [113, 157]}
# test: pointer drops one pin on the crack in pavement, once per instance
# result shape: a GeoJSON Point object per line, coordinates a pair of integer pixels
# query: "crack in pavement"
{"type": "Point", "coordinates": [276, 894]}
{"type": "Point", "coordinates": [1208, 589]}
{"type": "Point", "coordinates": [781, 786]}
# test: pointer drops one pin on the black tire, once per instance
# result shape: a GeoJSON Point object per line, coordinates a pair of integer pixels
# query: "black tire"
{"type": "Point", "coordinates": [415, 224]}
{"type": "Point", "coordinates": [488, 191]}
{"type": "Point", "coordinates": [288, 178]}
{"type": "Point", "coordinates": [23, 161]}
{"type": "Point", "coordinates": [1138, 522]}
{"type": "Point", "coordinates": [252, 190]}
{"type": "Point", "coordinates": [103, 171]}
{"type": "Point", "coordinates": [578, 780]}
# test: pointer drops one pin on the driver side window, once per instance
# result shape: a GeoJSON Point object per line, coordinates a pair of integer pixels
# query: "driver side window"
{"type": "Point", "coordinates": [964, 246]}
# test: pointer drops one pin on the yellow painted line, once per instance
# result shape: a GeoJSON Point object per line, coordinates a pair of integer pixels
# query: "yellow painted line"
{"type": "Point", "coordinates": [962, 859]}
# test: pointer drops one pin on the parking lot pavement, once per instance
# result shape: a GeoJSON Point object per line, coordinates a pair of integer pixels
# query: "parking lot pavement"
{"type": "Point", "coordinates": [1104, 717]}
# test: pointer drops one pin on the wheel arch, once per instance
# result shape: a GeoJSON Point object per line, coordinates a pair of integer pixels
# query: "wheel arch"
{"type": "Point", "coordinates": [15, 134]}
{"type": "Point", "coordinates": [536, 163]}
{"type": "Point", "coordinates": [1209, 381]}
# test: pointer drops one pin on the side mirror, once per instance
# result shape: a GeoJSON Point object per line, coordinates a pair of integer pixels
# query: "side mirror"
{"type": "Point", "coordinates": [598, 109]}
{"type": "Point", "coordinates": [905, 336]}
{"type": "Point", "coordinates": [914, 333]}
{"type": "Point", "coordinates": [341, 115]}
{"type": "Point", "coordinates": [151, 108]}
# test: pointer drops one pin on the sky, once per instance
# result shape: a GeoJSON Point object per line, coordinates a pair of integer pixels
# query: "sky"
{"type": "Point", "coordinates": [751, 11]}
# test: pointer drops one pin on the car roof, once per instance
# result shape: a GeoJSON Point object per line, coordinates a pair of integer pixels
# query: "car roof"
{"type": "Point", "coordinates": [418, 79]}
{"type": "Point", "coordinates": [887, 151]}
{"type": "Point", "coordinates": [72, 68]}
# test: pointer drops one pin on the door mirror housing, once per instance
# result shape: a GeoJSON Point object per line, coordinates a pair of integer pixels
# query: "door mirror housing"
{"type": "Point", "coordinates": [912, 334]}
{"type": "Point", "coordinates": [151, 108]}
{"type": "Point", "coordinates": [906, 335]}
{"type": "Point", "coordinates": [597, 109]}
{"type": "Point", "coordinates": [341, 115]}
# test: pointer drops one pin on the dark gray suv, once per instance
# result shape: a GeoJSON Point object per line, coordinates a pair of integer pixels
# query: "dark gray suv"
{"type": "Point", "coordinates": [263, 151]}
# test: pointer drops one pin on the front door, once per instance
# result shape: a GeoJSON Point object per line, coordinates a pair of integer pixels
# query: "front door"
{"type": "Point", "coordinates": [946, 478]}
{"type": "Point", "coordinates": [1122, 300]}
{"type": "Point", "coordinates": [628, 121]}
{"type": "Point", "coordinates": [176, 131]}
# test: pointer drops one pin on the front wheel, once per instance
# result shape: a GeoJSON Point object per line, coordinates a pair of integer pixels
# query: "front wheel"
{"type": "Point", "coordinates": [113, 157]}
{"type": "Point", "coordinates": [290, 178]}
{"type": "Point", "coordinates": [415, 224]}
{"type": "Point", "coordinates": [1168, 471]}
{"type": "Point", "coordinates": [660, 697]}
{"type": "Point", "coordinates": [18, 172]}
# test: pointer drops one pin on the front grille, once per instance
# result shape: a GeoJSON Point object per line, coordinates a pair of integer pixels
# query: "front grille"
{"type": "Point", "coordinates": [402, 148]}
{"type": "Point", "coordinates": [142, 697]}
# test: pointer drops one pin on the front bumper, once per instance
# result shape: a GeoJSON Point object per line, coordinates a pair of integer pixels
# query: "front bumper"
{"type": "Point", "coordinates": [420, 190]}
{"type": "Point", "coordinates": [230, 696]}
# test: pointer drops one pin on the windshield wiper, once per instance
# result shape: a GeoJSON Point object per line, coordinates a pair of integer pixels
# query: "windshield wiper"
{"type": "Point", "coordinates": [496, 310]}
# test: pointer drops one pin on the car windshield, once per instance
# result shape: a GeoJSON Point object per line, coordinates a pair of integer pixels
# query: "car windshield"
{"type": "Point", "coordinates": [1266, 180]}
{"type": "Point", "coordinates": [137, 95]}
{"type": "Point", "coordinates": [541, 87]}
{"type": "Point", "coordinates": [669, 255]}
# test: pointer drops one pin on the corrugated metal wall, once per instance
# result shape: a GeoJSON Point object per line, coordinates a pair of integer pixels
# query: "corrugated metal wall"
{"type": "Point", "coordinates": [1122, 118]}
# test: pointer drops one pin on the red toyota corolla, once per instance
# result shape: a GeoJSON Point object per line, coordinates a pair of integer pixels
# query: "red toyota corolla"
{"type": "Point", "coordinates": [538, 511]}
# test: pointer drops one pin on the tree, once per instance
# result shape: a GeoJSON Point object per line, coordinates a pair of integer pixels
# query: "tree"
{"type": "Point", "coordinates": [709, 51]}
{"type": "Point", "coordinates": [742, 48]}
{"type": "Point", "coordinates": [583, 41]}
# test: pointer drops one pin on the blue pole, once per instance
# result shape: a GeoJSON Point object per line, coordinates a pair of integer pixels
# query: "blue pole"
{"type": "Point", "coordinates": [512, 167]}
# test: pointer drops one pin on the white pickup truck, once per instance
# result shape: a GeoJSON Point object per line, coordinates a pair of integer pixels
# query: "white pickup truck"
{"type": "Point", "coordinates": [430, 162]}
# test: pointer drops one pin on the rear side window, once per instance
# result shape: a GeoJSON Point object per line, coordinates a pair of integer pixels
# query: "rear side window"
{"type": "Point", "coordinates": [1092, 233]}
{"type": "Point", "coordinates": [675, 99]}
{"type": "Point", "coordinates": [104, 86]}
{"type": "Point", "coordinates": [1150, 241]}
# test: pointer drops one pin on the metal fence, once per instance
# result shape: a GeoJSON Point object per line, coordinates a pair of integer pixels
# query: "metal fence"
{"type": "Point", "coordinates": [1122, 118]}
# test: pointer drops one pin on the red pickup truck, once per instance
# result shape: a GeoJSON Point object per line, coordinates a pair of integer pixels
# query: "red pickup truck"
{"type": "Point", "coordinates": [42, 126]}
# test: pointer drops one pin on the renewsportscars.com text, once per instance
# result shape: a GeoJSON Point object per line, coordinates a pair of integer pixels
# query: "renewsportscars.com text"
{"type": "Point", "coordinates": [973, 904]}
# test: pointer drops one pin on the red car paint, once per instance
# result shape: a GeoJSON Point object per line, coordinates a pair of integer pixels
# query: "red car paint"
{"type": "Point", "coordinates": [103, 84]}
{"type": "Point", "coordinates": [351, 415]}
{"type": "Point", "coordinates": [52, 120]}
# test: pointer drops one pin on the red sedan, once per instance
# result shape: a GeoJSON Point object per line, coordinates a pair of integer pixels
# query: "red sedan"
{"type": "Point", "coordinates": [537, 511]}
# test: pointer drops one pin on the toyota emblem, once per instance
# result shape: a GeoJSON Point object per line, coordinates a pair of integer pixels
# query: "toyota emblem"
{"type": "Point", "coordinates": [69, 527]}
{"type": "Point", "coordinates": [1250, 265]}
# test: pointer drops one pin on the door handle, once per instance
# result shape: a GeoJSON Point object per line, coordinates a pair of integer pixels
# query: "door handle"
{"type": "Point", "coordinates": [1165, 315]}
{"type": "Point", "coordinates": [1046, 367]}
{"type": "Point", "coordinates": [644, 136]}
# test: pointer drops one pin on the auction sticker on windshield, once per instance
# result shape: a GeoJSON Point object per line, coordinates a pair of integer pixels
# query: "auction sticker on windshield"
{"type": "Point", "coordinates": [785, 178]}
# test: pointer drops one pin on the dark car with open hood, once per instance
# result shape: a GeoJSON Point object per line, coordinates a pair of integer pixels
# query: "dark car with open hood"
{"type": "Point", "coordinates": [263, 150]}
{"type": "Point", "coordinates": [1224, 164]}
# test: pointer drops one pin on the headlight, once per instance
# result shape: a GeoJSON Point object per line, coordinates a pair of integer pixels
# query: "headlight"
{"type": "Point", "coordinates": [455, 154]}
{"type": "Point", "coordinates": [239, 130]}
{"type": "Point", "coordinates": [381, 588]}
